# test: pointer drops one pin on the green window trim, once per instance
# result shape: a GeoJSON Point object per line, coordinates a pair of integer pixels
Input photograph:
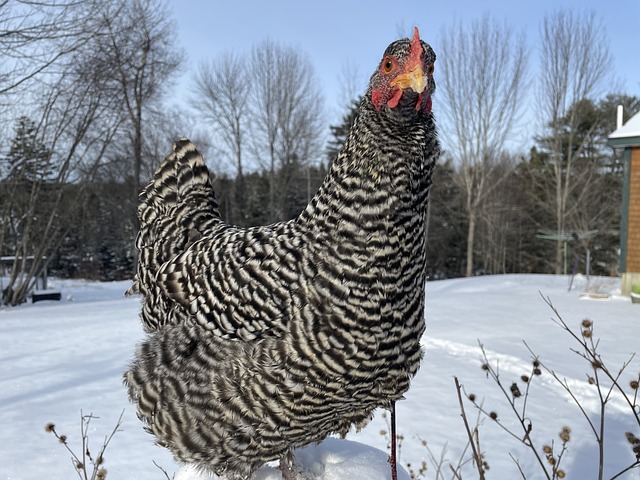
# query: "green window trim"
{"type": "Point", "coordinates": [624, 223]}
{"type": "Point", "coordinates": [625, 142]}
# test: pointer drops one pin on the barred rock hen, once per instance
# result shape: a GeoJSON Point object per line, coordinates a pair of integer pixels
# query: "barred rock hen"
{"type": "Point", "coordinates": [264, 339]}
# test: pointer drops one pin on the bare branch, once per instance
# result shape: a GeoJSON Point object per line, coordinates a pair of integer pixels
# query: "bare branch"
{"type": "Point", "coordinates": [286, 116]}
{"type": "Point", "coordinates": [574, 62]}
{"type": "Point", "coordinates": [483, 93]}
{"type": "Point", "coordinates": [473, 439]}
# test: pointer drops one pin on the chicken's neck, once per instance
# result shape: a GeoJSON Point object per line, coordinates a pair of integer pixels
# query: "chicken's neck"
{"type": "Point", "coordinates": [379, 182]}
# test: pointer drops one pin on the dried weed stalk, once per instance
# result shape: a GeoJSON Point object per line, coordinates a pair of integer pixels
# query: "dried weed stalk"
{"type": "Point", "coordinates": [86, 465]}
{"type": "Point", "coordinates": [549, 456]}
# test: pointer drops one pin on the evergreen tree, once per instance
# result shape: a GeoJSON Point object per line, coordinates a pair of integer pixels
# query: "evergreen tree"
{"type": "Point", "coordinates": [593, 180]}
{"type": "Point", "coordinates": [28, 158]}
{"type": "Point", "coordinates": [340, 132]}
{"type": "Point", "coordinates": [446, 240]}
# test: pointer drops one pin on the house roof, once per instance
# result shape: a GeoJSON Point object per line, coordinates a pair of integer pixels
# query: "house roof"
{"type": "Point", "coordinates": [628, 135]}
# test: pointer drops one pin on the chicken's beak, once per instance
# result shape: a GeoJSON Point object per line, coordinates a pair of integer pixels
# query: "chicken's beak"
{"type": "Point", "coordinates": [413, 79]}
{"type": "Point", "coordinates": [413, 75]}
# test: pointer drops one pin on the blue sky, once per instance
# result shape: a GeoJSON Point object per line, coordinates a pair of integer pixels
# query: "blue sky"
{"type": "Point", "coordinates": [335, 33]}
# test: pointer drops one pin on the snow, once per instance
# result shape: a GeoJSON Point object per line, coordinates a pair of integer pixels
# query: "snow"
{"type": "Point", "coordinates": [333, 459]}
{"type": "Point", "coordinates": [60, 358]}
{"type": "Point", "coordinates": [629, 129]}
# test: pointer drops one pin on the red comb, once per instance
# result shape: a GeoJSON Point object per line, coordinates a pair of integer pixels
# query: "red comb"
{"type": "Point", "coordinates": [415, 54]}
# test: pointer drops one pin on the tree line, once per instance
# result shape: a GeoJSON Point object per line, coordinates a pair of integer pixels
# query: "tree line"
{"type": "Point", "coordinates": [86, 120]}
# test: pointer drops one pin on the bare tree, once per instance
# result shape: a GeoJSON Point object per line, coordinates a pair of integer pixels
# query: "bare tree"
{"type": "Point", "coordinates": [263, 61]}
{"type": "Point", "coordinates": [137, 53]}
{"type": "Point", "coordinates": [36, 36]}
{"type": "Point", "coordinates": [482, 71]}
{"type": "Point", "coordinates": [574, 63]}
{"type": "Point", "coordinates": [70, 135]}
{"type": "Point", "coordinates": [286, 116]}
{"type": "Point", "coordinates": [503, 221]}
{"type": "Point", "coordinates": [352, 83]}
{"type": "Point", "coordinates": [75, 116]}
{"type": "Point", "coordinates": [84, 72]}
{"type": "Point", "coordinates": [221, 96]}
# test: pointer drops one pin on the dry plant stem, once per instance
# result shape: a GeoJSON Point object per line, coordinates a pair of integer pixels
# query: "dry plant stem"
{"type": "Point", "coordinates": [75, 460]}
{"type": "Point", "coordinates": [461, 459]}
{"type": "Point", "coordinates": [525, 423]}
{"type": "Point", "coordinates": [635, 464]}
{"type": "Point", "coordinates": [107, 439]}
{"type": "Point", "coordinates": [470, 436]}
{"type": "Point", "coordinates": [598, 431]}
{"type": "Point", "coordinates": [437, 463]}
{"type": "Point", "coordinates": [456, 475]}
{"type": "Point", "coordinates": [590, 354]}
{"type": "Point", "coordinates": [515, 460]}
{"type": "Point", "coordinates": [82, 473]}
{"type": "Point", "coordinates": [599, 375]}
{"type": "Point", "coordinates": [163, 471]}
{"type": "Point", "coordinates": [80, 463]}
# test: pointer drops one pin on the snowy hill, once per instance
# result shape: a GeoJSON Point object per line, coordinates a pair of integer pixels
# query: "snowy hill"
{"type": "Point", "coordinates": [58, 358]}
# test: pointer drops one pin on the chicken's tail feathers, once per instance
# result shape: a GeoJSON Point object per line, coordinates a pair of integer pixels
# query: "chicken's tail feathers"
{"type": "Point", "coordinates": [177, 208]}
{"type": "Point", "coordinates": [180, 193]}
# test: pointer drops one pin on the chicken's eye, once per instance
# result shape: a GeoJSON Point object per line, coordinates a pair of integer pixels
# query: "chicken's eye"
{"type": "Point", "coordinates": [388, 65]}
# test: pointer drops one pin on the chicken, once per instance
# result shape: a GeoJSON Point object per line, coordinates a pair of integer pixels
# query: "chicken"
{"type": "Point", "coordinates": [264, 339]}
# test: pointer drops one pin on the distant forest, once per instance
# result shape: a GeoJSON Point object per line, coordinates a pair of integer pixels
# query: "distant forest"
{"type": "Point", "coordinates": [86, 120]}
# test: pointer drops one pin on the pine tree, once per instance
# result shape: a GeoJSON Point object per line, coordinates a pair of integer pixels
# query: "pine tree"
{"type": "Point", "coordinates": [28, 158]}
{"type": "Point", "coordinates": [340, 132]}
{"type": "Point", "coordinates": [592, 178]}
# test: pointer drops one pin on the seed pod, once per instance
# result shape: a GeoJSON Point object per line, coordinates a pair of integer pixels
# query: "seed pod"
{"type": "Point", "coordinates": [515, 391]}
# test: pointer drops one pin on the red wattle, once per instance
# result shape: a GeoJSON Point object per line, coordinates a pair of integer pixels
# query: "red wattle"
{"type": "Point", "coordinates": [427, 106]}
{"type": "Point", "coordinates": [375, 99]}
{"type": "Point", "coordinates": [393, 101]}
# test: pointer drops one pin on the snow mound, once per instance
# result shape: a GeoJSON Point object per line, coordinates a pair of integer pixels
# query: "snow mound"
{"type": "Point", "coordinates": [333, 459]}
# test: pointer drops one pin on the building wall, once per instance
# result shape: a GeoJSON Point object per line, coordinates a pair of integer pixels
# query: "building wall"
{"type": "Point", "coordinates": [628, 281]}
{"type": "Point", "coordinates": [633, 231]}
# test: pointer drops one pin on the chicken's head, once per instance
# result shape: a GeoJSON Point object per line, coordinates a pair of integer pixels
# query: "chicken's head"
{"type": "Point", "coordinates": [407, 66]}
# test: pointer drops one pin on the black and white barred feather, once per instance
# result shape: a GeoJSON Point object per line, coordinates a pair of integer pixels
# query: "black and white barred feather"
{"type": "Point", "coordinates": [269, 338]}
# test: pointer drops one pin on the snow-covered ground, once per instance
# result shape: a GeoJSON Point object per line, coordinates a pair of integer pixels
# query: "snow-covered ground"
{"type": "Point", "coordinates": [60, 358]}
